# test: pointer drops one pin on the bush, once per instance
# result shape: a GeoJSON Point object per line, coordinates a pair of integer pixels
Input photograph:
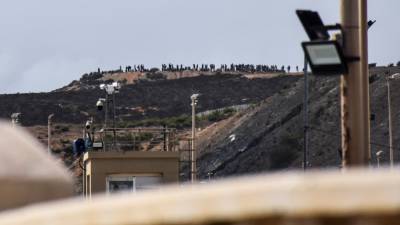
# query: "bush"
{"type": "Point", "coordinates": [179, 122]}
{"type": "Point", "coordinates": [64, 128]}
{"type": "Point", "coordinates": [286, 153]}
{"type": "Point", "coordinates": [153, 70]}
{"type": "Point", "coordinates": [373, 78]}
{"type": "Point", "coordinates": [156, 76]}
{"type": "Point", "coordinates": [219, 115]}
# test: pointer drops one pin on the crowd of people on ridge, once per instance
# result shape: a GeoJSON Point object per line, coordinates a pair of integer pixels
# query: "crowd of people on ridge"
{"type": "Point", "coordinates": [247, 68]}
{"type": "Point", "coordinates": [244, 68]}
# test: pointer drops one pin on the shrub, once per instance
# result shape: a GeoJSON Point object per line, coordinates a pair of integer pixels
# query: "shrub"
{"type": "Point", "coordinates": [286, 153]}
{"type": "Point", "coordinates": [219, 115]}
{"type": "Point", "coordinates": [156, 76]}
{"type": "Point", "coordinates": [64, 128]}
{"type": "Point", "coordinates": [154, 69]}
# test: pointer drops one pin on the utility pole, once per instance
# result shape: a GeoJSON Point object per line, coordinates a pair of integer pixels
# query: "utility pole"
{"type": "Point", "coordinates": [378, 158]}
{"type": "Point", "coordinates": [390, 122]}
{"type": "Point", "coordinates": [106, 113]}
{"type": "Point", "coordinates": [193, 147]}
{"type": "Point", "coordinates": [165, 137]}
{"type": "Point", "coordinates": [354, 88]}
{"type": "Point", "coordinates": [49, 125]}
{"type": "Point", "coordinates": [305, 116]}
{"type": "Point", "coordinates": [105, 123]}
{"type": "Point", "coordinates": [114, 124]}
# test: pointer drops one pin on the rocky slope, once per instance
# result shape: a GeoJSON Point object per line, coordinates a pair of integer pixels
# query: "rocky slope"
{"type": "Point", "coordinates": [267, 136]}
{"type": "Point", "coordinates": [270, 136]}
{"type": "Point", "coordinates": [144, 99]}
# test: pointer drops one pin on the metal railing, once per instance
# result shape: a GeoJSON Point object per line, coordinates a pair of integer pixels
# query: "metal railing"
{"type": "Point", "coordinates": [136, 139]}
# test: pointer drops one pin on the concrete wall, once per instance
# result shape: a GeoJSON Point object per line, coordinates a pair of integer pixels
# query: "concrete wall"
{"type": "Point", "coordinates": [99, 165]}
{"type": "Point", "coordinates": [27, 173]}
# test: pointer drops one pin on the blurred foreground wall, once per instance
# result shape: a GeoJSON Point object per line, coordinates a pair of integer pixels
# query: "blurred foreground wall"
{"type": "Point", "coordinates": [27, 173]}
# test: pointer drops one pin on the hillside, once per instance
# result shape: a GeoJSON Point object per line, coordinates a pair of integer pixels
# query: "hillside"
{"type": "Point", "coordinates": [270, 136]}
{"type": "Point", "coordinates": [143, 99]}
{"type": "Point", "coordinates": [266, 136]}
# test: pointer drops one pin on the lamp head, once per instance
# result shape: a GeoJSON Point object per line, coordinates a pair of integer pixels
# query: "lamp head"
{"type": "Point", "coordinates": [394, 76]}
{"type": "Point", "coordinates": [100, 104]}
{"type": "Point", "coordinates": [370, 23]}
{"type": "Point", "coordinates": [194, 96]}
{"type": "Point", "coordinates": [116, 85]}
{"type": "Point", "coordinates": [325, 57]}
{"type": "Point", "coordinates": [88, 124]}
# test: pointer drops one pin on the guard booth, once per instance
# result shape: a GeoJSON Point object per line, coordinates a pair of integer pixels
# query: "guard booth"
{"type": "Point", "coordinates": [144, 165]}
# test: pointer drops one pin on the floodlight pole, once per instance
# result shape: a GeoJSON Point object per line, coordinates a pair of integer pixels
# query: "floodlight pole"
{"type": "Point", "coordinates": [193, 150]}
{"type": "Point", "coordinates": [390, 122]}
{"type": "Point", "coordinates": [106, 112]}
{"type": "Point", "coordinates": [49, 124]}
{"type": "Point", "coordinates": [378, 158]}
{"type": "Point", "coordinates": [354, 88]}
{"type": "Point", "coordinates": [114, 115]}
{"type": "Point", "coordinates": [305, 115]}
{"type": "Point", "coordinates": [105, 122]}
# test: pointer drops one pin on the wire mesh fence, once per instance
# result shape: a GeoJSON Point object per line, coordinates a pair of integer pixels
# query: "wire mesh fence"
{"type": "Point", "coordinates": [137, 139]}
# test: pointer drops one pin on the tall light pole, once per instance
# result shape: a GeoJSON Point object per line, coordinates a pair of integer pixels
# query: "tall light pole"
{"type": "Point", "coordinates": [354, 87]}
{"type": "Point", "coordinates": [49, 125]}
{"type": "Point", "coordinates": [193, 150]}
{"type": "Point", "coordinates": [378, 158]}
{"type": "Point", "coordinates": [110, 89]}
{"type": "Point", "coordinates": [16, 119]}
{"type": "Point", "coordinates": [389, 102]}
{"type": "Point", "coordinates": [305, 116]}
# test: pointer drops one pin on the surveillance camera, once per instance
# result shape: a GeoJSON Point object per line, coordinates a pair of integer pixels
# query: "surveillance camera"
{"type": "Point", "coordinates": [194, 96]}
{"type": "Point", "coordinates": [115, 84]}
{"type": "Point", "coordinates": [99, 105]}
{"type": "Point", "coordinates": [88, 124]}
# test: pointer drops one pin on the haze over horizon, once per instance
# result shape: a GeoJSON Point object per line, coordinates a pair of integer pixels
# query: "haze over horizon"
{"type": "Point", "coordinates": [47, 44]}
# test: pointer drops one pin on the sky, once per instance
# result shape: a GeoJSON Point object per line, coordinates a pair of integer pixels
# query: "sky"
{"type": "Point", "coordinates": [45, 44]}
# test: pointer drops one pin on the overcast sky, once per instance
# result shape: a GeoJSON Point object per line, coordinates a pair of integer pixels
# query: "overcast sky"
{"type": "Point", "coordinates": [46, 44]}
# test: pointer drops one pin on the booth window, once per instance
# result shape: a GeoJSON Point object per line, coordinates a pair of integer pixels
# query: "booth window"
{"type": "Point", "coordinates": [118, 183]}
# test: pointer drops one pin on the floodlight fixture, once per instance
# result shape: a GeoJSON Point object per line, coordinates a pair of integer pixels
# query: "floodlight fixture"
{"type": "Point", "coordinates": [116, 85]}
{"type": "Point", "coordinates": [88, 124]}
{"type": "Point", "coordinates": [313, 25]}
{"type": "Point", "coordinates": [370, 23]}
{"type": "Point", "coordinates": [325, 57]}
{"type": "Point", "coordinates": [194, 99]}
{"type": "Point", "coordinates": [194, 96]}
{"type": "Point", "coordinates": [111, 88]}
{"type": "Point", "coordinates": [100, 104]}
{"type": "Point", "coordinates": [16, 118]}
{"type": "Point", "coordinates": [394, 76]}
